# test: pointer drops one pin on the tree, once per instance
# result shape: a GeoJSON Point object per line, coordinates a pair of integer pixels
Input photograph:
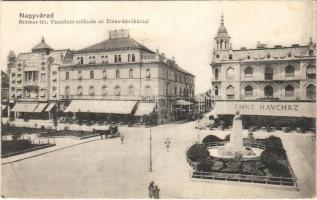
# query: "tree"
{"type": "Point", "coordinates": [211, 138]}
{"type": "Point", "coordinates": [205, 165]}
{"type": "Point", "coordinates": [55, 119]}
{"type": "Point", "coordinates": [197, 152]}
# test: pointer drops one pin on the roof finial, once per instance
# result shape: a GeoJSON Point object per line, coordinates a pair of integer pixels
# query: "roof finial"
{"type": "Point", "coordinates": [222, 22]}
{"type": "Point", "coordinates": [43, 39]}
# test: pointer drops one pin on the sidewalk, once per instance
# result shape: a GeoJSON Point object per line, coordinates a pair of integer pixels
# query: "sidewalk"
{"type": "Point", "coordinates": [61, 143]}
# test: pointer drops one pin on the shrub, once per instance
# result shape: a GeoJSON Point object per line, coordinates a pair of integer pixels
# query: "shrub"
{"type": "Point", "coordinates": [197, 152]}
{"type": "Point", "coordinates": [273, 143]}
{"type": "Point", "coordinates": [205, 165]}
{"type": "Point", "coordinates": [227, 138]}
{"type": "Point", "coordinates": [211, 138]}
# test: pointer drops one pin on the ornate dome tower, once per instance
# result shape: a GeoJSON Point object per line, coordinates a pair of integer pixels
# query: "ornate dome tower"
{"type": "Point", "coordinates": [222, 39]}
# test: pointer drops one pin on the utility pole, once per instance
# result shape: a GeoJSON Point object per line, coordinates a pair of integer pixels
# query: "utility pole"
{"type": "Point", "coordinates": [150, 150]}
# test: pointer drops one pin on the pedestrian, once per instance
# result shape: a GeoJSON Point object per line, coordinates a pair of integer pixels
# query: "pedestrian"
{"type": "Point", "coordinates": [167, 143]}
{"type": "Point", "coordinates": [151, 190]}
{"type": "Point", "coordinates": [122, 138]}
{"type": "Point", "coordinates": [156, 193]}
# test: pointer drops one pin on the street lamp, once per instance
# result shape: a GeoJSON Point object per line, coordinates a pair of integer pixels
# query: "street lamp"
{"type": "Point", "coordinates": [150, 150]}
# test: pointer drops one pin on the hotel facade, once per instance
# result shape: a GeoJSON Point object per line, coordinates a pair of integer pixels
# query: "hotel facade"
{"type": "Point", "coordinates": [118, 77]}
{"type": "Point", "coordinates": [277, 82]}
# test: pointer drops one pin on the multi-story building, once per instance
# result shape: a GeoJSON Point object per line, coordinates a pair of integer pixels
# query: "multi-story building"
{"type": "Point", "coordinates": [4, 94]}
{"type": "Point", "coordinates": [272, 81]}
{"type": "Point", "coordinates": [118, 76]}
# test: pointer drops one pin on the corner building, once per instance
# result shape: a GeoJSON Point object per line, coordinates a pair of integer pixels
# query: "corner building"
{"type": "Point", "coordinates": [117, 78]}
{"type": "Point", "coordinates": [277, 83]}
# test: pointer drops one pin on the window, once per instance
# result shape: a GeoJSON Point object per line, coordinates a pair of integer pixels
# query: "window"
{"type": "Point", "coordinates": [175, 90]}
{"type": "Point", "coordinates": [248, 91]}
{"type": "Point", "coordinates": [166, 74]}
{"type": "Point", "coordinates": [104, 90]}
{"type": "Point", "coordinates": [289, 71]}
{"type": "Point", "coordinates": [104, 74]}
{"type": "Point", "coordinates": [131, 90]}
{"type": "Point", "coordinates": [216, 91]}
{"type": "Point", "coordinates": [129, 57]}
{"type": "Point", "coordinates": [311, 52]}
{"type": "Point", "coordinates": [230, 56]}
{"type": "Point", "coordinates": [216, 74]}
{"type": "Point", "coordinates": [117, 91]}
{"type": "Point", "coordinates": [81, 60]}
{"type": "Point", "coordinates": [289, 91]}
{"type": "Point", "coordinates": [92, 75]}
{"type": "Point", "coordinates": [311, 72]}
{"type": "Point", "coordinates": [230, 92]}
{"type": "Point", "coordinates": [79, 90]}
{"type": "Point", "coordinates": [131, 73]}
{"type": "Point", "coordinates": [91, 90]}
{"type": "Point", "coordinates": [230, 73]}
{"type": "Point", "coordinates": [67, 76]}
{"type": "Point", "coordinates": [119, 58]}
{"type": "Point", "coordinates": [268, 91]}
{"type": "Point", "coordinates": [268, 56]}
{"type": "Point", "coordinates": [289, 55]}
{"type": "Point", "coordinates": [43, 77]}
{"type": "Point", "coordinates": [268, 74]}
{"type": "Point", "coordinates": [166, 89]}
{"type": "Point", "coordinates": [79, 75]}
{"type": "Point", "coordinates": [248, 57]}
{"type": "Point", "coordinates": [148, 91]}
{"type": "Point", "coordinates": [117, 73]}
{"type": "Point", "coordinates": [217, 56]}
{"type": "Point", "coordinates": [133, 58]}
{"type": "Point", "coordinates": [248, 73]}
{"type": "Point", "coordinates": [67, 91]}
{"type": "Point", "coordinates": [311, 92]}
{"type": "Point", "coordinates": [148, 73]}
{"type": "Point", "coordinates": [115, 58]}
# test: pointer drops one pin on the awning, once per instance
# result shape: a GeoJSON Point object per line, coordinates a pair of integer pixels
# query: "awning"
{"type": "Point", "coordinates": [50, 107]}
{"type": "Point", "coordinates": [183, 102]}
{"type": "Point", "coordinates": [145, 109]}
{"type": "Point", "coordinates": [101, 106]}
{"type": "Point", "coordinates": [24, 107]}
{"type": "Point", "coordinates": [40, 107]}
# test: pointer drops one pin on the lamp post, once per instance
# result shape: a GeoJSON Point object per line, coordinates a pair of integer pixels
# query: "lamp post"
{"type": "Point", "coordinates": [198, 129]}
{"type": "Point", "coordinates": [150, 169]}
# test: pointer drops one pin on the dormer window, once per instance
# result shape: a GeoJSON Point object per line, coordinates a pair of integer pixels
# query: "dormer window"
{"type": "Point", "coordinates": [311, 52]}
{"type": "Point", "coordinates": [217, 56]}
{"type": "Point", "coordinates": [230, 56]}
{"type": "Point", "coordinates": [248, 57]}
{"type": "Point", "coordinates": [289, 55]}
{"type": "Point", "coordinates": [133, 58]}
{"type": "Point", "coordinates": [268, 56]}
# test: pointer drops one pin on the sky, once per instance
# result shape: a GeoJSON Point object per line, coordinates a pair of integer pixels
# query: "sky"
{"type": "Point", "coordinates": [184, 30]}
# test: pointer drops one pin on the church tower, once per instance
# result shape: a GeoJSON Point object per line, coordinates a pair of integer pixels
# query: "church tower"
{"type": "Point", "coordinates": [223, 40]}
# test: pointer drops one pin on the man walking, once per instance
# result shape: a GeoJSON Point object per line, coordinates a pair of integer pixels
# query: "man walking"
{"type": "Point", "coordinates": [122, 138]}
{"type": "Point", "coordinates": [151, 190]}
{"type": "Point", "coordinates": [167, 143]}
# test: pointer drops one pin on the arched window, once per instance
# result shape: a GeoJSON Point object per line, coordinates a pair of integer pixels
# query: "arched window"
{"type": "Point", "coordinates": [117, 91]}
{"type": "Point", "coordinates": [268, 74]}
{"type": "Point", "coordinates": [131, 90]}
{"type": "Point", "coordinates": [311, 72]}
{"type": "Point", "coordinates": [216, 91]}
{"type": "Point", "coordinates": [131, 73]}
{"type": "Point", "coordinates": [166, 89]}
{"type": "Point", "coordinates": [67, 91]}
{"type": "Point", "coordinates": [115, 58]}
{"type": "Point", "coordinates": [117, 73]}
{"type": "Point", "coordinates": [148, 91]}
{"type": "Point", "coordinates": [248, 91]}
{"type": "Point", "coordinates": [311, 52]}
{"type": "Point", "coordinates": [166, 74]}
{"type": "Point", "coordinates": [248, 73]}
{"type": "Point", "coordinates": [230, 73]}
{"type": "Point", "coordinates": [230, 92]}
{"type": "Point", "coordinates": [217, 56]}
{"type": "Point", "coordinates": [311, 92]}
{"type": "Point", "coordinates": [268, 91]}
{"type": "Point", "coordinates": [184, 92]}
{"type": "Point", "coordinates": [148, 73]}
{"type": "Point", "coordinates": [92, 75]}
{"type": "Point", "coordinates": [289, 91]}
{"type": "Point", "coordinates": [230, 56]}
{"type": "Point", "coordinates": [289, 71]}
{"type": "Point", "coordinates": [129, 57]}
{"type": "Point", "coordinates": [67, 75]}
{"type": "Point", "coordinates": [268, 56]}
{"type": "Point", "coordinates": [221, 41]}
{"type": "Point", "coordinates": [133, 58]}
{"type": "Point", "coordinates": [175, 90]}
{"type": "Point", "coordinates": [104, 74]}
{"type": "Point", "coordinates": [80, 75]}
{"type": "Point", "coordinates": [104, 90]}
{"type": "Point", "coordinates": [81, 60]}
{"type": "Point", "coordinates": [216, 74]}
{"type": "Point", "coordinates": [91, 90]}
{"type": "Point", "coordinates": [79, 90]}
{"type": "Point", "coordinates": [119, 58]}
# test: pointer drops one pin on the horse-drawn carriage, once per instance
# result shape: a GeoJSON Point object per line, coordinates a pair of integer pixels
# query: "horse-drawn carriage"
{"type": "Point", "coordinates": [111, 132]}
